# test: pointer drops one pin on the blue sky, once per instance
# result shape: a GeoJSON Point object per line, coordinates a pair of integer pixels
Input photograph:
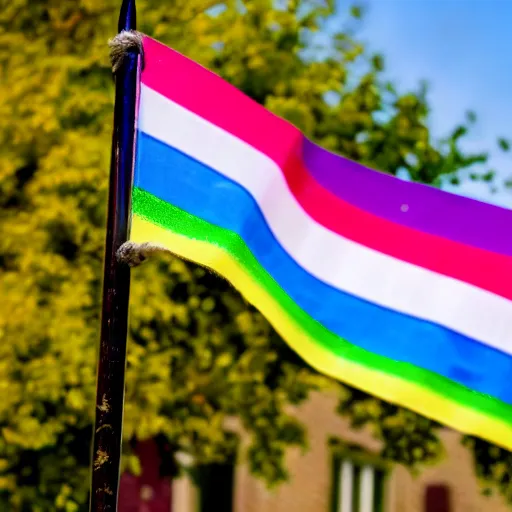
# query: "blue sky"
{"type": "Point", "coordinates": [462, 48]}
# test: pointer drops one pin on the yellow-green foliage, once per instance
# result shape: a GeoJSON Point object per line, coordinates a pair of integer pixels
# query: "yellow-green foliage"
{"type": "Point", "coordinates": [197, 353]}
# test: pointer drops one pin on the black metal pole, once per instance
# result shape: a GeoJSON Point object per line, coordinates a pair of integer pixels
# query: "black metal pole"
{"type": "Point", "coordinates": [106, 454]}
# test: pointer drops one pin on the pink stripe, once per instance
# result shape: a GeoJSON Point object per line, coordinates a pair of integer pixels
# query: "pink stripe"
{"type": "Point", "coordinates": [184, 82]}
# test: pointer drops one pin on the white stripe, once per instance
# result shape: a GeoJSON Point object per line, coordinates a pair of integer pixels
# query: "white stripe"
{"type": "Point", "coordinates": [338, 261]}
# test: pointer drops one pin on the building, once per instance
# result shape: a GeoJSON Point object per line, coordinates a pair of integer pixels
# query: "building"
{"type": "Point", "coordinates": [322, 481]}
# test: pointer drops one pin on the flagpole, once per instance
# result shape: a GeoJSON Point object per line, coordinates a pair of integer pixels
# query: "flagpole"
{"type": "Point", "coordinates": [106, 453]}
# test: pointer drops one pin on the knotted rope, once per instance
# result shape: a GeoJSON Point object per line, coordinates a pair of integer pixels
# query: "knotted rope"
{"type": "Point", "coordinates": [133, 254]}
{"type": "Point", "coordinates": [126, 41]}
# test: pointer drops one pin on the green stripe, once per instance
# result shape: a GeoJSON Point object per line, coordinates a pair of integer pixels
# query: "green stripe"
{"type": "Point", "coordinates": [178, 221]}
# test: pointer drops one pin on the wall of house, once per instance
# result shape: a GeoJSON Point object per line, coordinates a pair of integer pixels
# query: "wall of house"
{"type": "Point", "coordinates": [310, 487]}
{"type": "Point", "coordinates": [456, 471]}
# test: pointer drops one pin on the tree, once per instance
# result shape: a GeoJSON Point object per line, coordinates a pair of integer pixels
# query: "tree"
{"type": "Point", "coordinates": [198, 354]}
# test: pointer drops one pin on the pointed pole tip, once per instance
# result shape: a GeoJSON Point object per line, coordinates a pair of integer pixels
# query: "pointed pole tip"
{"type": "Point", "coordinates": [128, 16]}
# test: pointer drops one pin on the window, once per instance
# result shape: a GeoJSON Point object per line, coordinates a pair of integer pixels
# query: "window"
{"type": "Point", "coordinates": [357, 486]}
{"type": "Point", "coordinates": [215, 484]}
{"type": "Point", "coordinates": [437, 498]}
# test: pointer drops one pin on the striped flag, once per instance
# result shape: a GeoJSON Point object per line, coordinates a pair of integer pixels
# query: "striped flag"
{"type": "Point", "coordinates": [396, 288]}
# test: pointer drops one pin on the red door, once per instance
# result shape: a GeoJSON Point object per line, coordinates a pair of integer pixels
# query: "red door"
{"type": "Point", "coordinates": [148, 492]}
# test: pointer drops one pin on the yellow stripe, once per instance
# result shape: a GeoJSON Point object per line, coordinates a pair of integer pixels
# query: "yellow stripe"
{"type": "Point", "coordinates": [387, 387]}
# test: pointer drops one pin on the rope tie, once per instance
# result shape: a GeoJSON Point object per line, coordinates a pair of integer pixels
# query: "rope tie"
{"type": "Point", "coordinates": [133, 254]}
{"type": "Point", "coordinates": [125, 42]}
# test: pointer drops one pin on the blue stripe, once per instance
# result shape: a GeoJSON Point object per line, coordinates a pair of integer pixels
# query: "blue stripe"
{"type": "Point", "coordinates": [201, 191]}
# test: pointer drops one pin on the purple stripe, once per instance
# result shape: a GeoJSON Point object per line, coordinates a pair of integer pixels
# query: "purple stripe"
{"type": "Point", "coordinates": [410, 204]}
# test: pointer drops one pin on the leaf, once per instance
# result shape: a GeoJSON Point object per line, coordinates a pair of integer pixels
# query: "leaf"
{"type": "Point", "coordinates": [356, 11]}
{"type": "Point", "coordinates": [504, 144]}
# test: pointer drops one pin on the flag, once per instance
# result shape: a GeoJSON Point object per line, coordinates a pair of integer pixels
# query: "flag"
{"type": "Point", "coordinates": [396, 288]}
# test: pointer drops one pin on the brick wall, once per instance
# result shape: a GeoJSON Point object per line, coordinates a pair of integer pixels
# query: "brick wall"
{"type": "Point", "coordinates": [310, 487]}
